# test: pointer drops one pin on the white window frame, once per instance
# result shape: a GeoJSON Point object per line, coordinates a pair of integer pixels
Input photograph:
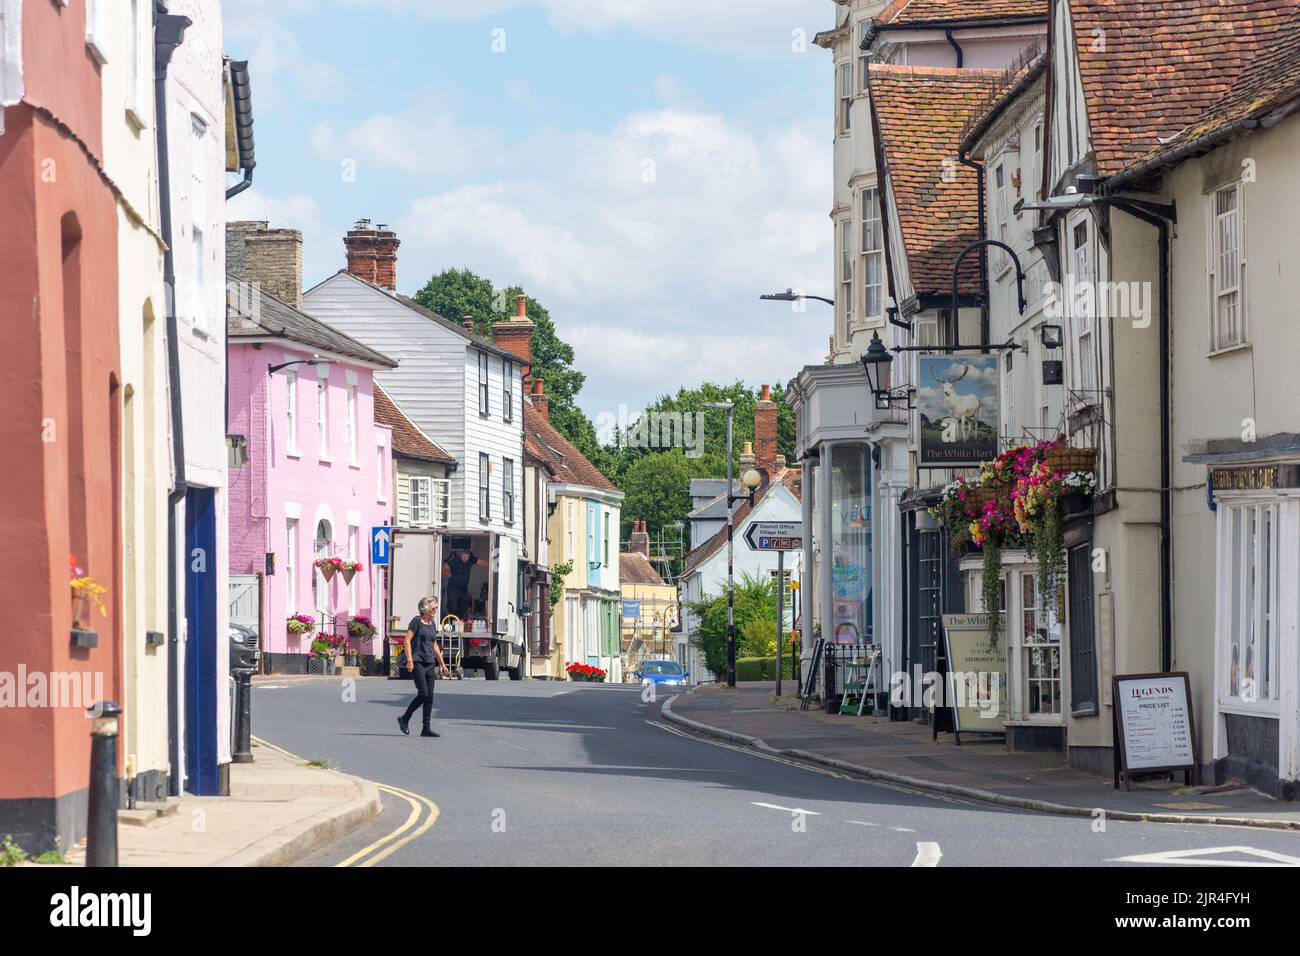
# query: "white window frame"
{"type": "Point", "coordinates": [484, 488]}
{"type": "Point", "coordinates": [352, 423]}
{"type": "Point", "coordinates": [381, 486]}
{"type": "Point", "coordinates": [290, 565]}
{"type": "Point", "coordinates": [568, 547]}
{"type": "Point", "coordinates": [198, 221]}
{"type": "Point", "coordinates": [1221, 338]}
{"type": "Point", "coordinates": [508, 490]}
{"type": "Point", "coordinates": [421, 492]}
{"type": "Point", "coordinates": [11, 54]}
{"type": "Point", "coordinates": [483, 384]}
{"type": "Point", "coordinates": [322, 419]}
{"type": "Point", "coordinates": [864, 61]}
{"type": "Point", "coordinates": [846, 273]}
{"type": "Point", "coordinates": [291, 411]}
{"type": "Point", "coordinates": [441, 501]}
{"type": "Point", "coordinates": [97, 29]}
{"type": "Point", "coordinates": [136, 103]}
{"type": "Point", "coordinates": [845, 99]}
{"type": "Point", "coordinates": [354, 536]}
{"type": "Point", "coordinates": [1249, 601]}
{"type": "Point", "coordinates": [507, 390]}
{"type": "Point", "coordinates": [998, 200]}
{"type": "Point", "coordinates": [873, 250]}
{"type": "Point", "coordinates": [1083, 325]}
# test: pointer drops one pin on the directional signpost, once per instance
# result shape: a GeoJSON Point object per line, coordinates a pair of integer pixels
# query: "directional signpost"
{"type": "Point", "coordinates": [778, 536]}
{"type": "Point", "coordinates": [381, 545]}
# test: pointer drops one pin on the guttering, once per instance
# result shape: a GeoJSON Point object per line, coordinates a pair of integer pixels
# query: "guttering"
{"type": "Point", "coordinates": [986, 23]}
{"type": "Point", "coordinates": [952, 42]}
{"type": "Point", "coordinates": [169, 33]}
{"type": "Point", "coordinates": [241, 93]}
{"type": "Point", "coordinates": [984, 252]}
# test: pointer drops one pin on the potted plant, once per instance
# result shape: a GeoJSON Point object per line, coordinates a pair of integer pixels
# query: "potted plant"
{"type": "Point", "coordinates": [328, 567]}
{"type": "Point", "coordinates": [300, 624]}
{"type": "Point", "coordinates": [360, 626]}
{"type": "Point", "coordinates": [86, 591]}
{"type": "Point", "coordinates": [349, 570]}
{"type": "Point", "coordinates": [321, 662]}
{"type": "Point", "coordinates": [1076, 488]}
{"type": "Point", "coordinates": [585, 673]}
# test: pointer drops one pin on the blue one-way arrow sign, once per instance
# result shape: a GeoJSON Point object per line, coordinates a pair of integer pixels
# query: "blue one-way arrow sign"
{"type": "Point", "coordinates": [381, 541]}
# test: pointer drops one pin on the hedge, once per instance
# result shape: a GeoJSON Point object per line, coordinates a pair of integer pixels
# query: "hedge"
{"type": "Point", "coordinates": [762, 668]}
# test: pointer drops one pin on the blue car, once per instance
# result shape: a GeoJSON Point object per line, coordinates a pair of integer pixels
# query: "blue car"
{"type": "Point", "coordinates": [662, 673]}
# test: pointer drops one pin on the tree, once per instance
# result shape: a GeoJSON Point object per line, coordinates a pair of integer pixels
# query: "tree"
{"type": "Point", "coordinates": [754, 613]}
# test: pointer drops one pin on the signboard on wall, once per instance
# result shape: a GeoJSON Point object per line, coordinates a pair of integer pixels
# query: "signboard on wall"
{"type": "Point", "coordinates": [975, 686]}
{"type": "Point", "coordinates": [1154, 731]}
{"type": "Point", "coordinates": [958, 405]}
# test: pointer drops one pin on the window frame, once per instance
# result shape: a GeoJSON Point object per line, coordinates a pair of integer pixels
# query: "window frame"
{"type": "Point", "coordinates": [508, 490]}
{"type": "Point", "coordinates": [352, 423]}
{"type": "Point", "coordinates": [290, 564]}
{"type": "Point", "coordinates": [507, 390]}
{"type": "Point", "coordinates": [322, 419]}
{"type": "Point", "coordinates": [1083, 324]}
{"type": "Point", "coordinates": [1264, 608]}
{"type": "Point", "coordinates": [845, 98]}
{"type": "Point", "coordinates": [96, 30]}
{"type": "Point", "coordinates": [483, 406]}
{"type": "Point", "coordinates": [846, 272]}
{"type": "Point", "coordinates": [198, 220]}
{"type": "Point", "coordinates": [872, 215]}
{"type": "Point", "coordinates": [484, 488]}
{"type": "Point", "coordinates": [420, 487]}
{"type": "Point", "coordinates": [291, 411]}
{"type": "Point", "coordinates": [1219, 342]}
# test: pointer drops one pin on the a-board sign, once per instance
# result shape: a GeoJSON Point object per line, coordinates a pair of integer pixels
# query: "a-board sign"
{"type": "Point", "coordinates": [975, 686]}
{"type": "Point", "coordinates": [1154, 729]}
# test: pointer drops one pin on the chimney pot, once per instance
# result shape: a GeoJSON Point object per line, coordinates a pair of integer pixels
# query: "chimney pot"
{"type": "Point", "coordinates": [540, 401]}
{"type": "Point", "coordinates": [521, 306]}
{"type": "Point", "coordinates": [467, 323]}
{"type": "Point", "coordinates": [372, 254]}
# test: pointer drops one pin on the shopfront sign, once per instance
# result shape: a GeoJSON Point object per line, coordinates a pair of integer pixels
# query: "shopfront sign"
{"type": "Point", "coordinates": [1154, 730]}
{"type": "Point", "coordinates": [1255, 478]}
{"type": "Point", "coordinates": [975, 686]}
{"type": "Point", "coordinates": [631, 609]}
{"type": "Point", "coordinates": [959, 410]}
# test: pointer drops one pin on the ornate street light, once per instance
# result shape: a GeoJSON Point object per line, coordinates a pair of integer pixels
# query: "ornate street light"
{"type": "Point", "coordinates": [875, 362]}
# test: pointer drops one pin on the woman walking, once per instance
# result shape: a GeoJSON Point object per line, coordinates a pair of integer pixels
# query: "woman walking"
{"type": "Point", "coordinates": [424, 661]}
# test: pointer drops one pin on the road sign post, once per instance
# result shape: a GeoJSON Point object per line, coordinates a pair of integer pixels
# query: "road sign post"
{"type": "Point", "coordinates": [780, 615]}
{"type": "Point", "coordinates": [381, 545]}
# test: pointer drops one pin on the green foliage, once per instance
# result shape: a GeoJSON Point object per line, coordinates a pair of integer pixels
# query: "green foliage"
{"type": "Point", "coordinates": [758, 637]}
{"type": "Point", "coordinates": [755, 600]}
{"type": "Point", "coordinates": [51, 858]}
{"type": "Point", "coordinates": [763, 668]}
{"type": "Point", "coordinates": [558, 573]}
{"type": "Point", "coordinates": [11, 854]}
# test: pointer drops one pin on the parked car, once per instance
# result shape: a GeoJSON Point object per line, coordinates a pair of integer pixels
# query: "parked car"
{"type": "Point", "coordinates": [244, 651]}
{"type": "Point", "coordinates": [661, 672]}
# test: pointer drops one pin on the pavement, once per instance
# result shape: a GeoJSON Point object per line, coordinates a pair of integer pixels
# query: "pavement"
{"type": "Point", "coordinates": [558, 774]}
{"type": "Point", "coordinates": [280, 808]}
{"type": "Point", "coordinates": [980, 768]}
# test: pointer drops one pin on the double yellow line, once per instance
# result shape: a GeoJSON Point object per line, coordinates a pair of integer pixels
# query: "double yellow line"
{"type": "Point", "coordinates": [424, 814]}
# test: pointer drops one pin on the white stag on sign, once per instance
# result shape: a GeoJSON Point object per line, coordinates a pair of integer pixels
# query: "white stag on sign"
{"type": "Point", "coordinates": [963, 410]}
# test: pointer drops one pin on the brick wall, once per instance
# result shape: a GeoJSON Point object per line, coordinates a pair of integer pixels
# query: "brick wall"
{"type": "Point", "coordinates": [765, 432]}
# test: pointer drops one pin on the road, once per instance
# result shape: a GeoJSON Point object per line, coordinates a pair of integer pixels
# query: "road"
{"type": "Point", "coordinates": [571, 774]}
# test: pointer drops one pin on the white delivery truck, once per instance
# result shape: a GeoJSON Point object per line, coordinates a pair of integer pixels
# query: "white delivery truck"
{"type": "Point", "coordinates": [489, 635]}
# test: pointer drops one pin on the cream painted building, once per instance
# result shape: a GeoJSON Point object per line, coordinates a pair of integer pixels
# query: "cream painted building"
{"type": "Point", "coordinates": [123, 46]}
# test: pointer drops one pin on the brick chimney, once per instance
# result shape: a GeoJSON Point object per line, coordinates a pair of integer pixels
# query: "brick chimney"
{"type": "Point", "coordinates": [268, 258]}
{"type": "Point", "coordinates": [640, 540]}
{"type": "Point", "coordinates": [372, 253]}
{"type": "Point", "coordinates": [515, 335]}
{"type": "Point", "coordinates": [765, 455]}
{"type": "Point", "coordinates": [539, 399]}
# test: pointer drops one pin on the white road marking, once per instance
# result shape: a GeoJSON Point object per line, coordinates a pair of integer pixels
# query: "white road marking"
{"type": "Point", "coordinates": [1194, 857]}
{"type": "Point", "coordinates": [927, 854]}
{"type": "Point", "coordinates": [903, 830]}
{"type": "Point", "coordinates": [270, 686]}
{"type": "Point", "coordinates": [773, 806]}
{"type": "Point", "coordinates": [862, 823]}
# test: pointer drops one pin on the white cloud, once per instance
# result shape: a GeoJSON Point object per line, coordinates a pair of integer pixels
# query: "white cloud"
{"type": "Point", "coordinates": [289, 212]}
{"type": "Point", "coordinates": [283, 73]}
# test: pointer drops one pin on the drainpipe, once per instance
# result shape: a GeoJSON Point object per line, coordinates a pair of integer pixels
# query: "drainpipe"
{"type": "Point", "coordinates": [169, 33]}
{"type": "Point", "coordinates": [952, 42]}
{"type": "Point", "coordinates": [985, 331]}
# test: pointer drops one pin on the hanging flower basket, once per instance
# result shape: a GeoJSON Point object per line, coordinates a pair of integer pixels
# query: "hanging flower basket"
{"type": "Point", "coordinates": [361, 626]}
{"type": "Point", "coordinates": [328, 567]}
{"type": "Point", "coordinates": [1066, 459]}
{"type": "Point", "coordinates": [300, 624]}
{"type": "Point", "coordinates": [349, 570]}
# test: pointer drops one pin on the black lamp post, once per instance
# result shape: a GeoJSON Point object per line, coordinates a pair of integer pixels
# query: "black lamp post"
{"type": "Point", "coordinates": [789, 295]}
{"type": "Point", "coordinates": [272, 369]}
{"type": "Point", "coordinates": [875, 362]}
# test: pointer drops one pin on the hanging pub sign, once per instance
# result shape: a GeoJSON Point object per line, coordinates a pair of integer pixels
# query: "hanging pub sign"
{"type": "Point", "coordinates": [958, 404]}
{"type": "Point", "coordinates": [975, 685]}
{"type": "Point", "coordinates": [1154, 730]}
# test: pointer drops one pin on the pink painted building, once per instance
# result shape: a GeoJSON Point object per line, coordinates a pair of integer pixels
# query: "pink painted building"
{"type": "Point", "coordinates": [310, 471]}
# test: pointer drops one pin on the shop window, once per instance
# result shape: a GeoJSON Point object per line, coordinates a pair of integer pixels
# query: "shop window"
{"type": "Point", "coordinates": [1040, 650]}
{"type": "Point", "coordinates": [850, 543]}
{"type": "Point", "coordinates": [1248, 562]}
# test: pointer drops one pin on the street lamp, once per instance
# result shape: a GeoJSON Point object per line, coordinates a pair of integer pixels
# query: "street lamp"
{"type": "Point", "coordinates": [877, 359]}
{"type": "Point", "coordinates": [789, 295]}
{"type": "Point", "coordinates": [751, 480]}
{"type": "Point", "coordinates": [314, 360]}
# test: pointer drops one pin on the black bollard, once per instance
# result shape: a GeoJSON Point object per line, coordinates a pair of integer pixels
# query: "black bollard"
{"type": "Point", "coordinates": [242, 751]}
{"type": "Point", "coordinates": [101, 823]}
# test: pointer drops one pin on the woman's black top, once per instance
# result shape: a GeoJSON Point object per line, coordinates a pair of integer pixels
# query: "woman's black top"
{"type": "Point", "coordinates": [423, 637]}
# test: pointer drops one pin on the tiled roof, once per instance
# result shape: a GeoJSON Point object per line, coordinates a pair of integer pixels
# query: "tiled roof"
{"type": "Point", "coordinates": [789, 477]}
{"type": "Point", "coordinates": [1269, 82]}
{"type": "Point", "coordinates": [268, 316]}
{"type": "Point", "coordinates": [635, 568]}
{"type": "Point", "coordinates": [1024, 79]}
{"type": "Point", "coordinates": [904, 12]}
{"type": "Point", "coordinates": [922, 112]}
{"type": "Point", "coordinates": [408, 440]}
{"type": "Point", "coordinates": [567, 464]}
{"type": "Point", "coordinates": [1151, 71]}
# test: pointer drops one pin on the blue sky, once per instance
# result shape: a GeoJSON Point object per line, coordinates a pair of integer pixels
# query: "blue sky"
{"type": "Point", "coordinates": [645, 168]}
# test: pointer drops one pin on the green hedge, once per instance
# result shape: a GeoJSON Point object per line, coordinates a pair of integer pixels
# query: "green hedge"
{"type": "Point", "coordinates": [762, 668]}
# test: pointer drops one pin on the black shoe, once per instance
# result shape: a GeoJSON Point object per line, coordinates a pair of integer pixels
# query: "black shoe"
{"type": "Point", "coordinates": [405, 724]}
{"type": "Point", "coordinates": [426, 732]}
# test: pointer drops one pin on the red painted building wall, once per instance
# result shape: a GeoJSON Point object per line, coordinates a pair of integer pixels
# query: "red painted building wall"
{"type": "Point", "coordinates": [60, 429]}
